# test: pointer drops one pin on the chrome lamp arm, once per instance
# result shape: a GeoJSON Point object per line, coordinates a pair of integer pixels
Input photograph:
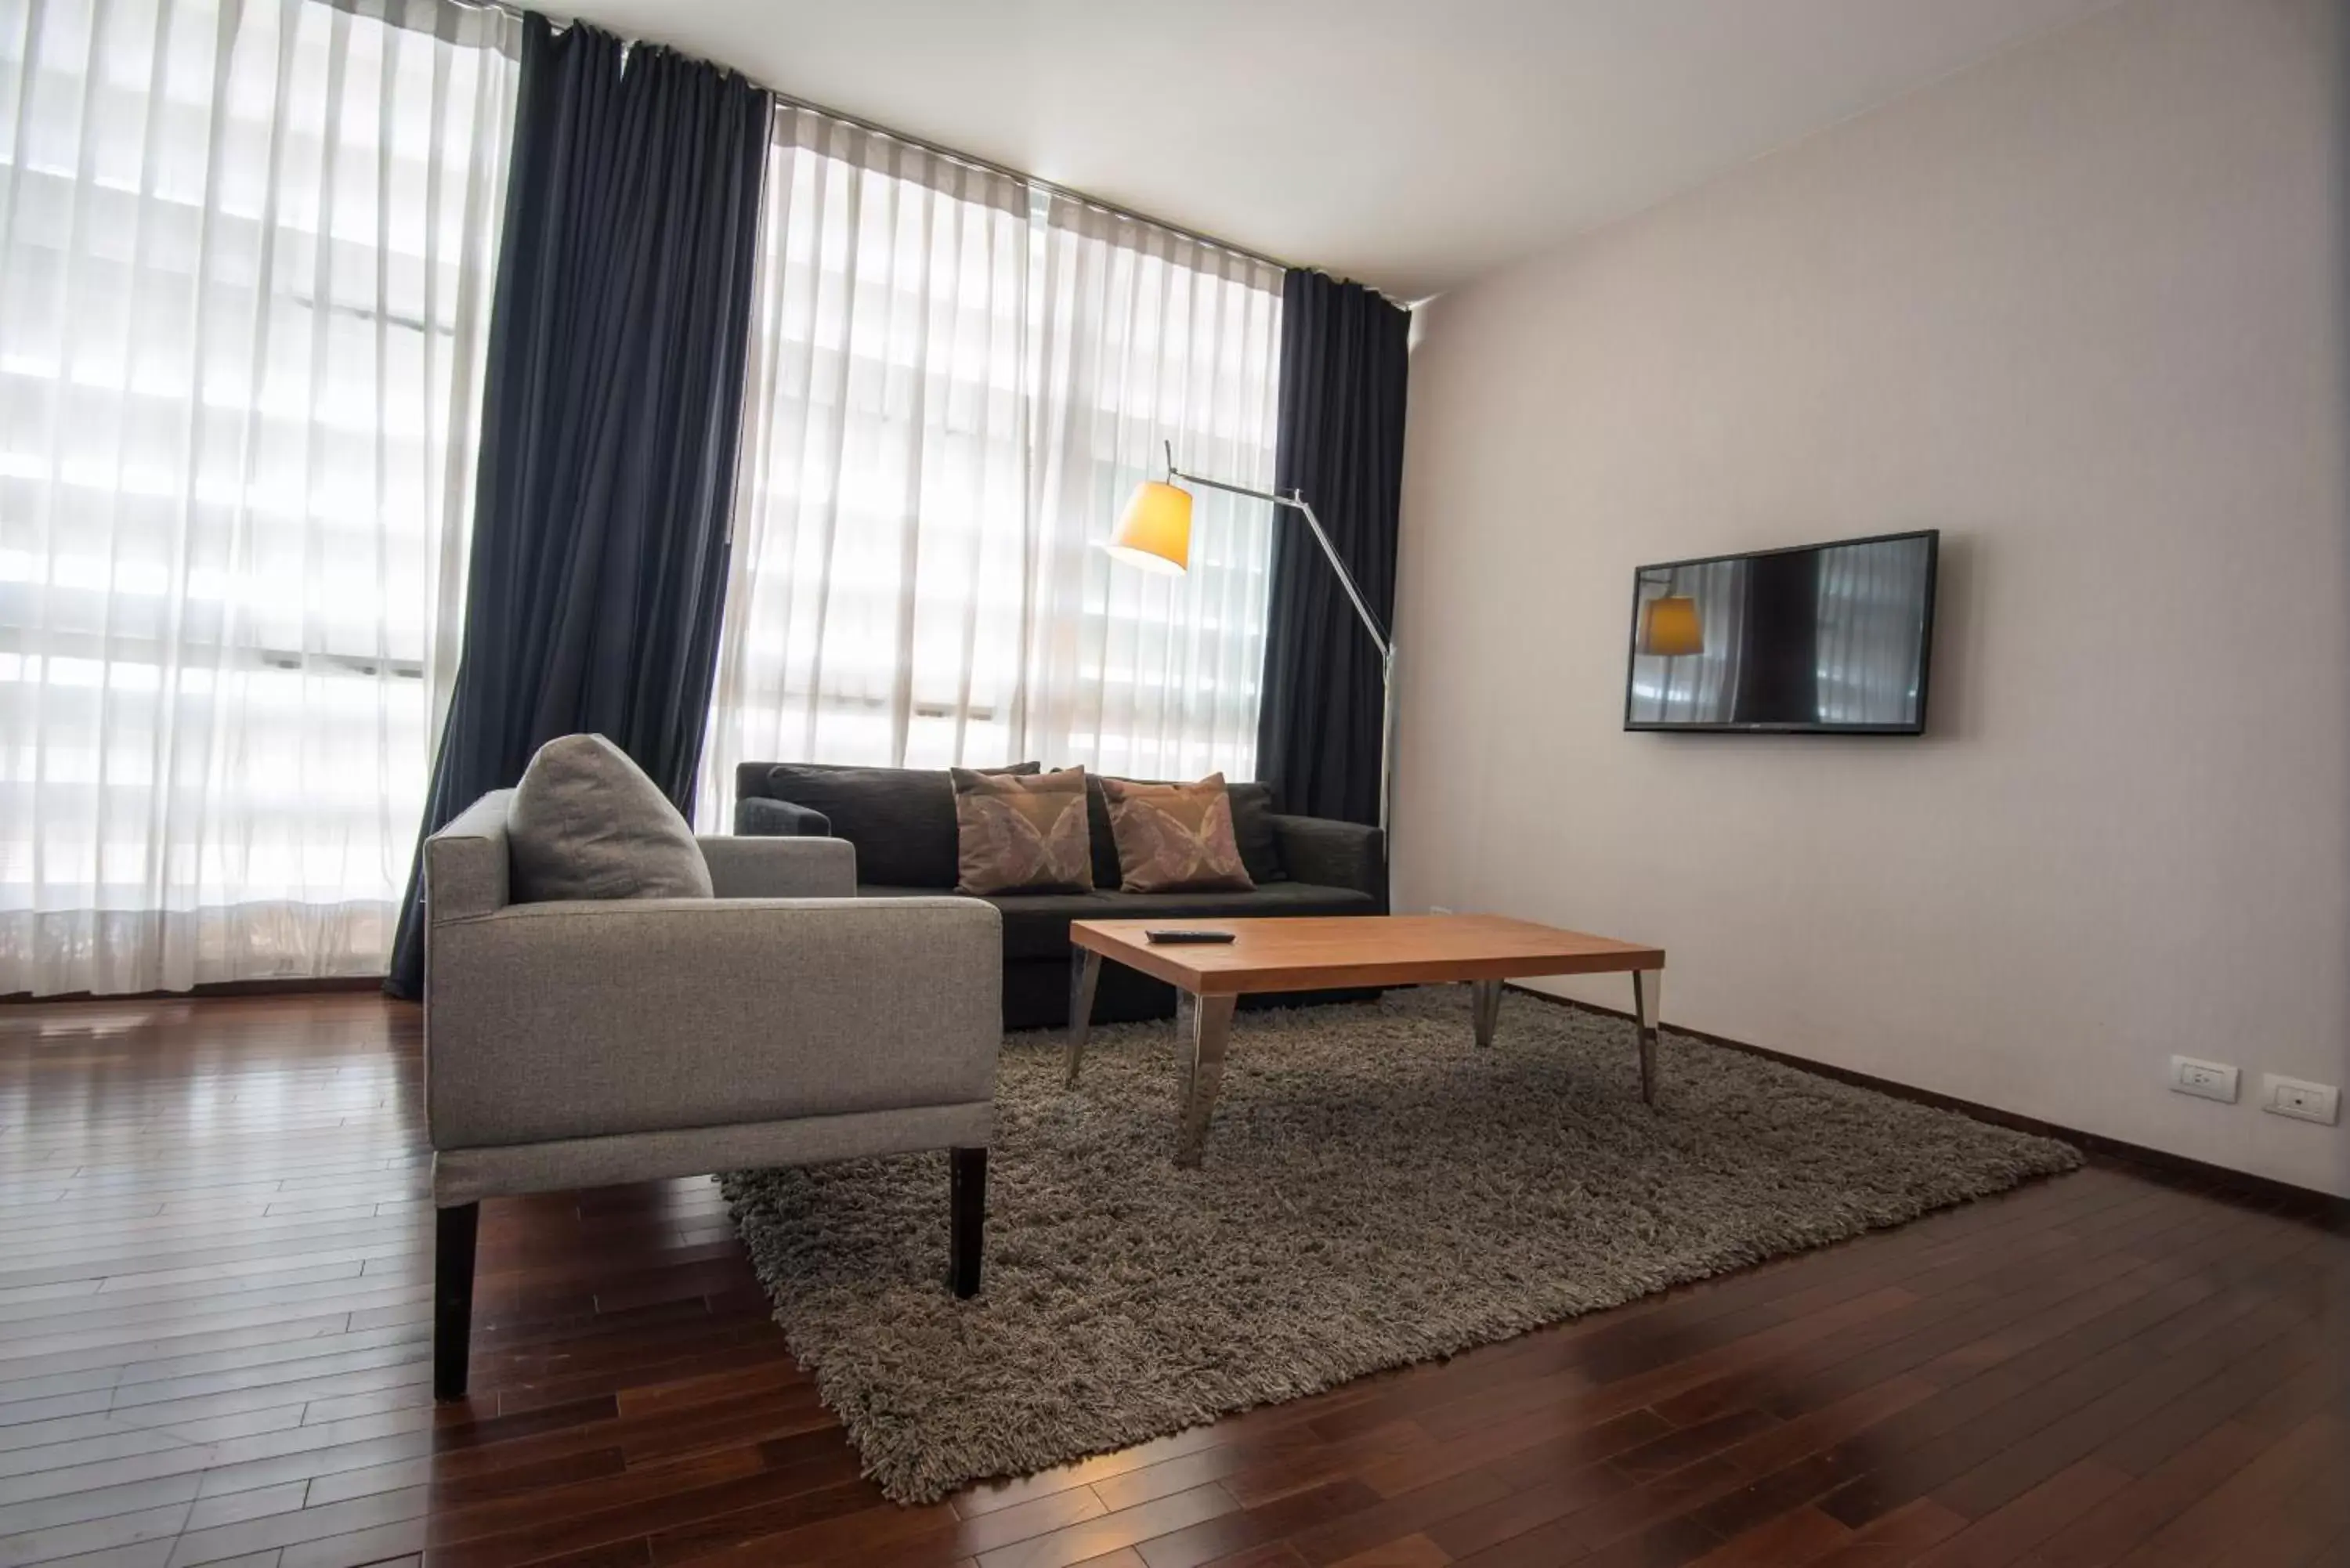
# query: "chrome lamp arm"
{"type": "Point", "coordinates": [1296, 502]}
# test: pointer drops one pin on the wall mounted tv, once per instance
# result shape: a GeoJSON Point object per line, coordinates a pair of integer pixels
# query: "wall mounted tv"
{"type": "Point", "coordinates": [1820, 639]}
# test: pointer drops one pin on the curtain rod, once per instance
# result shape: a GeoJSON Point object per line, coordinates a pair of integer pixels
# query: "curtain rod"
{"type": "Point", "coordinates": [968, 160]}
{"type": "Point", "coordinates": [988, 166]}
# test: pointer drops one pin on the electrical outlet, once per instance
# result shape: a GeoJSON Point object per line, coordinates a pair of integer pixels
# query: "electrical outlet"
{"type": "Point", "coordinates": [2211, 1080]}
{"type": "Point", "coordinates": [2296, 1097]}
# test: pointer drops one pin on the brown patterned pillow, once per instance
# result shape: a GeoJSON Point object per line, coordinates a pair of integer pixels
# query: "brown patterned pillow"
{"type": "Point", "coordinates": [1175, 837]}
{"type": "Point", "coordinates": [1021, 833]}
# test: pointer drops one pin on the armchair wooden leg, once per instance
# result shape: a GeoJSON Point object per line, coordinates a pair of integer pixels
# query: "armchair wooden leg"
{"type": "Point", "coordinates": [453, 1231]}
{"type": "Point", "coordinates": [967, 1194]}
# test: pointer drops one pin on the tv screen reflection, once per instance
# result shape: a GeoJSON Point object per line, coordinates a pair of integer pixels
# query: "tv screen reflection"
{"type": "Point", "coordinates": [1821, 639]}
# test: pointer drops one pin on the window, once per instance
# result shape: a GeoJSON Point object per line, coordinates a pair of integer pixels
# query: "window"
{"type": "Point", "coordinates": [245, 265]}
{"type": "Point", "coordinates": [955, 379]}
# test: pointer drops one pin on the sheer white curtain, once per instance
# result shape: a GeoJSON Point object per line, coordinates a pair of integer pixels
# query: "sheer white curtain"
{"type": "Point", "coordinates": [874, 608]}
{"type": "Point", "coordinates": [954, 379]}
{"type": "Point", "coordinates": [245, 258]}
{"type": "Point", "coordinates": [1147, 337]}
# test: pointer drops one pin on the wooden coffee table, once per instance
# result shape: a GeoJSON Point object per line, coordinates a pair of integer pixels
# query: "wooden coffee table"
{"type": "Point", "coordinates": [1334, 953]}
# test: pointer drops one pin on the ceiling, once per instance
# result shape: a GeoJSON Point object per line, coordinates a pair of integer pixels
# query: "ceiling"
{"type": "Point", "coordinates": [1410, 143]}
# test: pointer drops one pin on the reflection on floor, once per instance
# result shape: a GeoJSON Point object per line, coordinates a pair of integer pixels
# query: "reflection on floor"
{"type": "Point", "coordinates": [215, 1265]}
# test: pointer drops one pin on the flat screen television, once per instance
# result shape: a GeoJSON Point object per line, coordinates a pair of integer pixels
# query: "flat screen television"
{"type": "Point", "coordinates": [1819, 639]}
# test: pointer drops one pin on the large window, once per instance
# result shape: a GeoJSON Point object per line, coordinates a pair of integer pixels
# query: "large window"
{"type": "Point", "coordinates": [246, 256]}
{"type": "Point", "coordinates": [955, 379]}
{"type": "Point", "coordinates": [245, 259]}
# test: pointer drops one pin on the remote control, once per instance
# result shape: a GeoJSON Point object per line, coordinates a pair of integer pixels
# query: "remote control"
{"type": "Point", "coordinates": [1180, 937]}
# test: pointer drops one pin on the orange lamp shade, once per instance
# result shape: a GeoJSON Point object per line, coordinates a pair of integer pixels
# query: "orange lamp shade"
{"type": "Point", "coordinates": [1154, 532]}
{"type": "Point", "coordinates": [1670, 627]}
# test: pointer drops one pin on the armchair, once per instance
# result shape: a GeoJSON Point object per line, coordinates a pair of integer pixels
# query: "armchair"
{"type": "Point", "coordinates": [784, 1022]}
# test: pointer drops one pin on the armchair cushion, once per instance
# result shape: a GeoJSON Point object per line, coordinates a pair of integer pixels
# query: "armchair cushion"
{"type": "Point", "coordinates": [586, 823]}
{"type": "Point", "coordinates": [780, 867]}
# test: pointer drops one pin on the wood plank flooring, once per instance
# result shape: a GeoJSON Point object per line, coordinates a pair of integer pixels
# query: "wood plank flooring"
{"type": "Point", "coordinates": [216, 1266]}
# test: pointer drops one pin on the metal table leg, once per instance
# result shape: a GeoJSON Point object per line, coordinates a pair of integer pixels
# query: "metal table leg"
{"type": "Point", "coordinates": [1485, 1008]}
{"type": "Point", "coordinates": [1203, 1073]}
{"type": "Point", "coordinates": [1647, 987]}
{"type": "Point", "coordinates": [1084, 970]}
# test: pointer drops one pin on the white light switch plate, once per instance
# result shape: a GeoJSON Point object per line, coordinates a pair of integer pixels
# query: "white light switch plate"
{"type": "Point", "coordinates": [2297, 1097]}
{"type": "Point", "coordinates": [2211, 1080]}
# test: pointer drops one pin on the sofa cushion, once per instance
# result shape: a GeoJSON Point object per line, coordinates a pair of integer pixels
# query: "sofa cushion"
{"type": "Point", "coordinates": [586, 823]}
{"type": "Point", "coordinates": [1253, 830]}
{"type": "Point", "coordinates": [1020, 833]}
{"type": "Point", "coordinates": [1036, 925]}
{"type": "Point", "coordinates": [1175, 837]}
{"type": "Point", "coordinates": [901, 820]}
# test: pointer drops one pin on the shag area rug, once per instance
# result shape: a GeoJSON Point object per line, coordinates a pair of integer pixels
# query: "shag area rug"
{"type": "Point", "coordinates": [1376, 1191]}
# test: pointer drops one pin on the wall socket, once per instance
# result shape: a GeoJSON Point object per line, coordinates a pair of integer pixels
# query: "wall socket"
{"type": "Point", "coordinates": [2211, 1080]}
{"type": "Point", "coordinates": [2296, 1097]}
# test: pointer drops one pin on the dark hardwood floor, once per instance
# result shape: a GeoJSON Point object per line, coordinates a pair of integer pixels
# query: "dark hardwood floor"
{"type": "Point", "coordinates": [215, 1273]}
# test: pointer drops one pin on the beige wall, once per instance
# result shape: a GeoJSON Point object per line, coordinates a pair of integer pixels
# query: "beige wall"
{"type": "Point", "coordinates": [2080, 308]}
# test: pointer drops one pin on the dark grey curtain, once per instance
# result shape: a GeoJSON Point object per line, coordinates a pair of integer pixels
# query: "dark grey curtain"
{"type": "Point", "coordinates": [610, 418]}
{"type": "Point", "coordinates": [1343, 361]}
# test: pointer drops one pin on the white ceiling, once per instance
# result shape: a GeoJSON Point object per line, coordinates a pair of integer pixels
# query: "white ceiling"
{"type": "Point", "coordinates": [1408, 143]}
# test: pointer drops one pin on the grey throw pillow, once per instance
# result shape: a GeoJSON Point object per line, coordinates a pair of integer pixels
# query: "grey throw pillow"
{"type": "Point", "coordinates": [587, 823]}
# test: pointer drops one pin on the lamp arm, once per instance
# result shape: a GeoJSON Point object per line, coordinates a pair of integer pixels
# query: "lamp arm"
{"type": "Point", "coordinates": [1295, 501]}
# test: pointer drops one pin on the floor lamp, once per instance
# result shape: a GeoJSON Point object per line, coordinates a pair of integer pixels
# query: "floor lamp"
{"type": "Point", "coordinates": [1154, 533]}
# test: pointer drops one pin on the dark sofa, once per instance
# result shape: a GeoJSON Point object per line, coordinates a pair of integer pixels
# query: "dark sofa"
{"type": "Point", "coordinates": [901, 822]}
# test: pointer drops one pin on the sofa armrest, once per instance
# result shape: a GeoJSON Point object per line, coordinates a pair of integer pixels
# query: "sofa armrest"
{"type": "Point", "coordinates": [780, 867]}
{"type": "Point", "coordinates": [1332, 854]}
{"type": "Point", "coordinates": [588, 1019]}
{"type": "Point", "coordinates": [763, 816]}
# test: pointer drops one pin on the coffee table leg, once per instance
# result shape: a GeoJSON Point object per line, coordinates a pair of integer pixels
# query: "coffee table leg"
{"type": "Point", "coordinates": [1485, 1008]}
{"type": "Point", "coordinates": [1203, 1073]}
{"type": "Point", "coordinates": [1647, 986]}
{"type": "Point", "coordinates": [1084, 970]}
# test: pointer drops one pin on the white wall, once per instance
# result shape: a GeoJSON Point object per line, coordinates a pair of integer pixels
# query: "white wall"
{"type": "Point", "coordinates": [2080, 307]}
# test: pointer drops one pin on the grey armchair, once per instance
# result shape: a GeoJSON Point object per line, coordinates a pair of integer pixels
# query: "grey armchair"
{"type": "Point", "coordinates": [784, 1022]}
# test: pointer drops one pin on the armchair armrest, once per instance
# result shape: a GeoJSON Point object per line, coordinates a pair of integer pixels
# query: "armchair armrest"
{"type": "Point", "coordinates": [579, 1020]}
{"type": "Point", "coordinates": [465, 863]}
{"type": "Point", "coordinates": [780, 867]}
{"type": "Point", "coordinates": [1334, 854]}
